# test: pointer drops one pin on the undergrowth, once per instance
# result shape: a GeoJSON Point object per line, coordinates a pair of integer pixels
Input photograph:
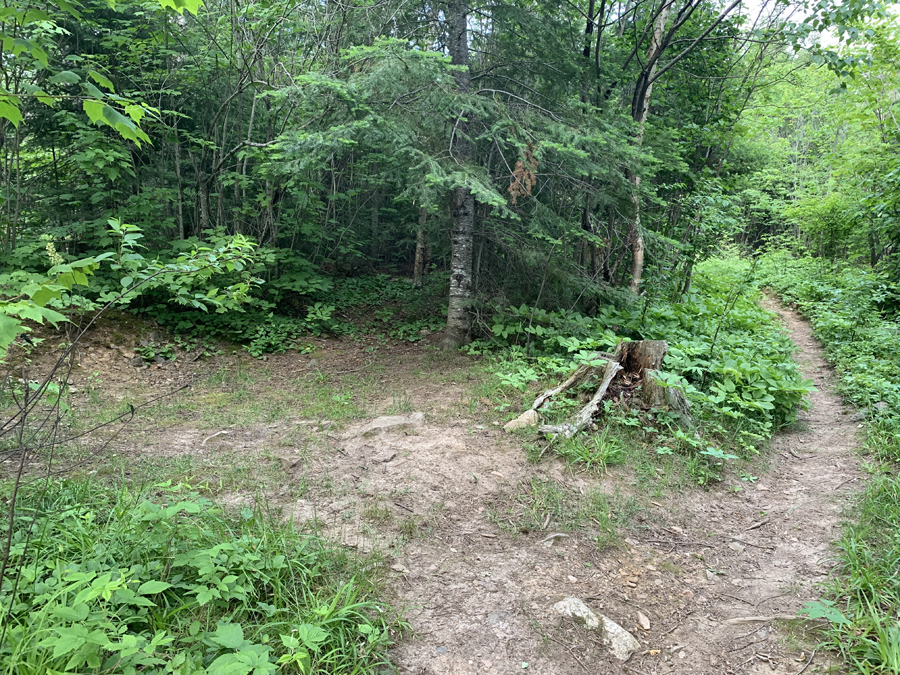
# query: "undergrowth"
{"type": "Point", "coordinates": [106, 580]}
{"type": "Point", "coordinates": [732, 361]}
{"type": "Point", "coordinates": [853, 312]}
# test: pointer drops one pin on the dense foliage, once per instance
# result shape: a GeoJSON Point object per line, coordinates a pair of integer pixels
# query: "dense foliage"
{"type": "Point", "coordinates": [733, 363]}
{"type": "Point", "coordinates": [601, 150]}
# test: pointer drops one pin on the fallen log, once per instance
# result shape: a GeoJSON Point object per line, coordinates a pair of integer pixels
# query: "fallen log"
{"type": "Point", "coordinates": [581, 374]}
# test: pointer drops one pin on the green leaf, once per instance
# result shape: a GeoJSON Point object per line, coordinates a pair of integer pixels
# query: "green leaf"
{"type": "Point", "coordinates": [67, 7]}
{"type": "Point", "coordinates": [228, 635]}
{"type": "Point", "coordinates": [43, 295]}
{"type": "Point", "coordinates": [10, 112]}
{"type": "Point", "coordinates": [94, 110]}
{"type": "Point", "coordinates": [69, 639]}
{"type": "Point", "coordinates": [65, 77]}
{"type": "Point", "coordinates": [180, 6]}
{"type": "Point", "coordinates": [102, 81]}
{"type": "Point", "coordinates": [92, 90]}
{"type": "Point", "coordinates": [77, 613]}
{"type": "Point", "coordinates": [153, 587]}
{"type": "Point", "coordinates": [824, 609]}
{"type": "Point", "coordinates": [9, 329]}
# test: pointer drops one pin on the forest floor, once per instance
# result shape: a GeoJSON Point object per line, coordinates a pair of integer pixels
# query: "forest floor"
{"type": "Point", "coordinates": [456, 513]}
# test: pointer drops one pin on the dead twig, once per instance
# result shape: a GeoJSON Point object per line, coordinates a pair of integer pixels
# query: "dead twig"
{"type": "Point", "coordinates": [552, 536]}
{"type": "Point", "coordinates": [748, 543]}
{"type": "Point", "coordinates": [675, 627]}
{"type": "Point", "coordinates": [677, 543]}
{"type": "Point", "coordinates": [849, 480]}
{"type": "Point", "coordinates": [753, 619]}
{"type": "Point", "coordinates": [209, 438]}
{"type": "Point", "coordinates": [811, 657]}
{"type": "Point", "coordinates": [756, 526]}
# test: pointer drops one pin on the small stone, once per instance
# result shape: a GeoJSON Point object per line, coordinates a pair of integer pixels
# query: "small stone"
{"type": "Point", "coordinates": [137, 361]}
{"type": "Point", "coordinates": [385, 456]}
{"type": "Point", "coordinates": [441, 650]}
{"type": "Point", "coordinates": [881, 405]}
{"type": "Point", "coordinates": [529, 418]}
{"type": "Point", "coordinates": [497, 617]}
{"type": "Point", "coordinates": [734, 546]}
{"type": "Point", "coordinates": [643, 621]}
{"type": "Point", "coordinates": [572, 579]}
{"type": "Point", "coordinates": [858, 417]}
{"type": "Point", "coordinates": [399, 568]}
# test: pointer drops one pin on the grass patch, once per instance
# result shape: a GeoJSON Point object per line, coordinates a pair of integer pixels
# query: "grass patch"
{"type": "Point", "coordinates": [162, 581]}
{"type": "Point", "coordinates": [545, 504]}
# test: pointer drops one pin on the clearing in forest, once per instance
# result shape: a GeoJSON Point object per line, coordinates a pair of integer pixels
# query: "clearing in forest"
{"type": "Point", "coordinates": [476, 535]}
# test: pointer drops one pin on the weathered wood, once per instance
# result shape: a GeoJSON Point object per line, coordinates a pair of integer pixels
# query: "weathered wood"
{"type": "Point", "coordinates": [581, 374]}
{"type": "Point", "coordinates": [655, 395]}
{"type": "Point", "coordinates": [641, 355]}
{"type": "Point", "coordinates": [587, 413]}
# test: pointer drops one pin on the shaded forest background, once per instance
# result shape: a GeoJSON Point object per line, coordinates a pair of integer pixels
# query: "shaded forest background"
{"type": "Point", "coordinates": [557, 155]}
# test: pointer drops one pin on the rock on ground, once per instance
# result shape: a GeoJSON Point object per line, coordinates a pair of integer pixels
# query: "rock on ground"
{"type": "Point", "coordinates": [621, 643]}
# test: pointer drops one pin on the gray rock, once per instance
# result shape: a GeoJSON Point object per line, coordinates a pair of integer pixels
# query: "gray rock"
{"type": "Point", "coordinates": [858, 417]}
{"type": "Point", "coordinates": [882, 405]}
{"type": "Point", "coordinates": [575, 608]}
{"type": "Point", "coordinates": [441, 650]}
{"type": "Point", "coordinates": [621, 643]}
{"type": "Point", "coordinates": [137, 361]}
{"type": "Point", "coordinates": [391, 422]}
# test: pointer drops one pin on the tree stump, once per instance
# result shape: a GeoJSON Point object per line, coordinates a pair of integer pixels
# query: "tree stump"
{"type": "Point", "coordinates": [642, 358]}
{"type": "Point", "coordinates": [656, 396]}
{"type": "Point", "coordinates": [641, 355]}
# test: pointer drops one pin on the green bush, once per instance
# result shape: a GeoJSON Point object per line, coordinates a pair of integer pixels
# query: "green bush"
{"type": "Point", "coordinates": [115, 582]}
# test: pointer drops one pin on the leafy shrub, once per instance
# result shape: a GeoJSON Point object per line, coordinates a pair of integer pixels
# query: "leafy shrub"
{"type": "Point", "coordinates": [725, 352]}
{"type": "Point", "coordinates": [123, 583]}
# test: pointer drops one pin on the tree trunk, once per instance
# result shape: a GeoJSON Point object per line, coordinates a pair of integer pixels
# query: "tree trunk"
{"type": "Point", "coordinates": [204, 203]}
{"type": "Point", "coordinates": [458, 317]}
{"type": "Point", "coordinates": [640, 107]}
{"type": "Point", "coordinates": [180, 211]}
{"type": "Point", "coordinates": [419, 267]}
{"type": "Point", "coordinates": [374, 225]}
